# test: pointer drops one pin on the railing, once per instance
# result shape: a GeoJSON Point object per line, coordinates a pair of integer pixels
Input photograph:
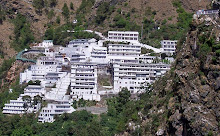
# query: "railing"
{"type": "Point", "coordinates": [19, 57]}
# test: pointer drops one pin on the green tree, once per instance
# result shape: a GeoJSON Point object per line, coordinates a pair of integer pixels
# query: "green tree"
{"type": "Point", "coordinates": [52, 3]}
{"type": "Point", "coordinates": [27, 102]}
{"type": "Point", "coordinates": [49, 34]}
{"type": "Point", "coordinates": [39, 5]}
{"type": "Point", "coordinates": [58, 20]}
{"type": "Point", "coordinates": [22, 32]}
{"type": "Point", "coordinates": [37, 99]}
{"type": "Point", "coordinates": [103, 11]}
{"type": "Point", "coordinates": [51, 14]}
{"type": "Point", "coordinates": [65, 12]}
{"type": "Point", "coordinates": [71, 6]}
{"type": "Point", "coordinates": [123, 98]}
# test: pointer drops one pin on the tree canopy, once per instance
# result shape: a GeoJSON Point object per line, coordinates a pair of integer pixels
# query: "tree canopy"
{"type": "Point", "coordinates": [65, 11]}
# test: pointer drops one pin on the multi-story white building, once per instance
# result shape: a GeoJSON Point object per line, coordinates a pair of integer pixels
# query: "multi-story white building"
{"type": "Point", "coordinates": [18, 106]}
{"type": "Point", "coordinates": [124, 49]}
{"type": "Point", "coordinates": [147, 59]}
{"type": "Point", "coordinates": [136, 76]}
{"type": "Point", "coordinates": [168, 46]}
{"type": "Point", "coordinates": [99, 55]}
{"type": "Point", "coordinates": [57, 107]}
{"type": "Point", "coordinates": [46, 44]}
{"type": "Point", "coordinates": [122, 59]}
{"type": "Point", "coordinates": [33, 90]}
{"type": "Point", "coordinates": [123, 36]}
{"type": "Point", "coordinates": [71, 72]}
{"type": "Point", "coordinates": [82, 42]}
{"type": "Point", "coordinates": [84, 81]}
{"type": "Point", "coordinates": [41, 70]}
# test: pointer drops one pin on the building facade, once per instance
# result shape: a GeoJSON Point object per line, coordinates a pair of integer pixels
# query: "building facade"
{"type": "Point", "coordinates": [168, 46]}
{"type": "Point", "coordinates": [84, 81]}
{"type": "Point", "coordinates": [123, 36]}
{"type": "Point", "coordinates": [124, 49]}
{"type": "Point", "coordinates": [136, 76]}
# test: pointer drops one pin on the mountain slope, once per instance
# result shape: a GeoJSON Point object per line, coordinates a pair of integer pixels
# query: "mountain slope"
{"type": "Point", "coordinates": [186, 100]}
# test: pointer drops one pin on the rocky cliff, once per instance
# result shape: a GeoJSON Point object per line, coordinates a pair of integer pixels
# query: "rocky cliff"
{"type": "Point", "coordinates": [187, 100]}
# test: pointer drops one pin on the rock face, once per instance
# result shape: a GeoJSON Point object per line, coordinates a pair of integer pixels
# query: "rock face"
{"type": "Point", "coordinates": [197, 90]}
{"type": "Point", "coordinates": [190, 92]}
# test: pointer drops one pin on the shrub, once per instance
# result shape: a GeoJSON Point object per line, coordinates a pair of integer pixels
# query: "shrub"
{"type": "Point", "coordinates": [217, 52]}
{"type": "Point", "coordinates": [65, 11]}
{"type": "Point", "coordinates": [121, 23]}
{"type": "Point", "coordinates": [51, 14]}
{"type": "Point", "coordinates": [71, 6]}
{"type": "Point", "coordinates": [58, 20]}
{"type": "Point", "coordinates": [52, 3]}
{"type": "Point", "coordinates": [39, 5]}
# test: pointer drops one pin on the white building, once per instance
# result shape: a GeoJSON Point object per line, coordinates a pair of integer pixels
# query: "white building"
{"type": "Point", "coordinates": [147, 59]}
{"type": "Point", "coordinates": [168, 46]}
{"type": "Point", "coordinates": [41, 70]}
{"type": "Point", "coordinates": [124, 49]}
{"type": "Point", "coordinates": [46, 44]}
{"type": "Point", "coordinates": [82, 42]}
{"type": "Point", "coordinates": [17, 106]}
{"type": "Point", "coordinates": [207, 12]}
{"type": "Point", "coordinates": [57, 107]}
{"type": "Point", "coordinates": [84, 81]}
{"type": "Point", "coordinates": [33, 90]}
{"type": "Point", "coordinates": [99, 55]}
{"type": "Point", "coordinates": [123, 36]}
{"type": "Point", "coordinates": [122, 59]}
{"type": "Point", "coordinates": [136, 76]}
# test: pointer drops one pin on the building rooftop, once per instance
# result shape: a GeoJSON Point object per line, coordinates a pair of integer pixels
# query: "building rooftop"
{"type": "Point", "coordinates": [48, 41]}
{"type": "Point", "coordinates": [123, 32]}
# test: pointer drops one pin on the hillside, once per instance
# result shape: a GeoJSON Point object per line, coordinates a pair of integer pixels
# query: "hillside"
{"type": "Point", "coordinates": [133, 11]}
{"type": "Point", "coordinates": [186, 100]}
{"type": "Point", "coordinates": [183, 102]}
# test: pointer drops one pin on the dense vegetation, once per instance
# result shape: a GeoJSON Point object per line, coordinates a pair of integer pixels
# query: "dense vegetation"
{"type": "Point", "coordinates": [5, 96]}
{"type": "Point", "coordinates": [40, 4]}
{"type": "Point", "coordinates": [121, 109]}
{"type": "Point", "coordinates": [23, 34]}
{"type": "Point", "coordinates": [153, 35]}
{"type": "Point", "coordinates": [62, 35]}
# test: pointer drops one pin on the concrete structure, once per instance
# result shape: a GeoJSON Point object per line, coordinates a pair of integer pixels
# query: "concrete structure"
{"type": "Point", "coordinates": [46, 44]}
{"type": "Point", "coordinates": [168, 46]}
{"type": "Point", "coordinates": [207, 12]}
{"type": "Point", "coordinates": [147, 59]}
{"type": "Point", "coordinates": [136, 76]}
{"type": "Point", "coordinates": [57, 107]}
{"type": "Point", "coordinates": [123, 36]}
{"type": "Point", "coordinates": [71, 73]}
{"type": "Point", "coordinates": [20, 106]}
{"type": "Point", "coordinates": [84, 81]}
{"type": "Point", "coordinates": [99, 55]}
{"type": "Point", "coordinates": [124, 49]}
{"type": "Point", "coordinates": [43, 70]}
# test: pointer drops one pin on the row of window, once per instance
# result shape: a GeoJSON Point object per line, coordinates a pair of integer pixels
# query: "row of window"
{"type": "Point", "coordinates": [123, 38]}
{"type": "Point", "coordinates": [167, 46]}
{"type": "Point", "coordinates": [170, 42]}
{"type": "Point", "coordinates": [123, 46]}
{"type": "Point", "coordinates": [115, 34]}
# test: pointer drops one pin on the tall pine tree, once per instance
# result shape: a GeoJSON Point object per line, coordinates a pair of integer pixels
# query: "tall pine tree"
{"type": "Point", "coordinates": [66, 12]}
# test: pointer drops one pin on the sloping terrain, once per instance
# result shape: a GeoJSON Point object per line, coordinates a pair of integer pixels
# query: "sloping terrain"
{"type": "Point", "coordinates": [186, 100]}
